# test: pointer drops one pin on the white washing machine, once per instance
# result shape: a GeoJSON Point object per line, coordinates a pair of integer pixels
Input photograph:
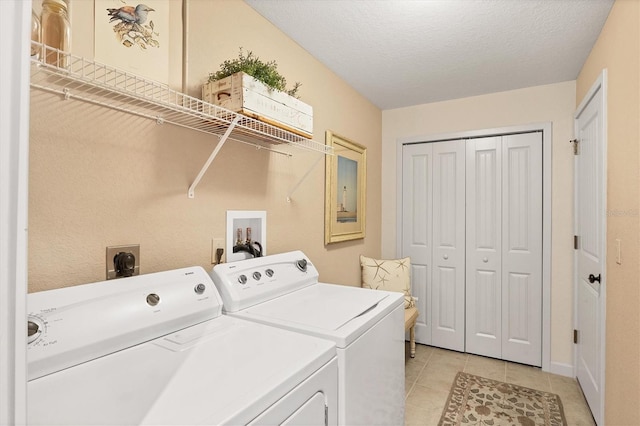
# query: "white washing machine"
{"type": "Point", "coordinates": [367, 326]}
{"type": "Point", "coordinates": [155, 349]}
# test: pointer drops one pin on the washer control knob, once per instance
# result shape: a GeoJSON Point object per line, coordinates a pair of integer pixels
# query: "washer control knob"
{"type": "Point", "coordinates": [35, 328]}
{"type": "Point", "coordinates": [32, 328]}
{"type": "Point", "coordinates": [302, 265]}
{"type": "Point", "coordinates": [200, 288]}
{"type": "Point", "coordinates": [153, 299]}
{"type": "Point", "coordinates": [257, 275]}
{"type": "Point", "coordinates": [242, 279]}
{"type": "Point", "coordinates": [269, 272]}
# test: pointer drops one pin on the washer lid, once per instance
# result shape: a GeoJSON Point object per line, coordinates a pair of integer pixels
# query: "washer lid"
{"type": "Point", "coordinates": [320, 306]}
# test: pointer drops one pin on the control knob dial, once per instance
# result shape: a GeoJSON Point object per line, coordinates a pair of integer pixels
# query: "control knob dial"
{"type": "Point", "coordinates": [35, 328]}
{"type": "Point", "coordinates": [302, 264]}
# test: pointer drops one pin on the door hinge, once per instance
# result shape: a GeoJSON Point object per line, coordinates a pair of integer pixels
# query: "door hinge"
{"type": "Point", "coordinates": [575, 242]}
{"type": "Point", "coordinates": [575, 336]}
{"type": "Point", "coordinates": [575, 143]}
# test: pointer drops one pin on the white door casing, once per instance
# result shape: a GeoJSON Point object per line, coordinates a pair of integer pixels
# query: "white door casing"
{"type": "Point", "coordinates": [590, 228]}
{"type": "Point", "coordinates": [448, 270]}
{"type": "Point", "coordinates": [416, 234]}
{"type": "Point", "coordinates": [484, 253]}
{"type": "Point", "coordinates": [15, 24]}
{"type": "Point", "coordinates": [522, 248]}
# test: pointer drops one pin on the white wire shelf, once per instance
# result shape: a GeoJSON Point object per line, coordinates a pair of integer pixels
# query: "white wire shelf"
{"type": "Point", "coordinates": [75, 77]}
{"type": "Point", "coordinates": [107, 86]}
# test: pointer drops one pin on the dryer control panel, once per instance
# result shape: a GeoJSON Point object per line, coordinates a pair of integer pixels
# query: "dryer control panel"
{"type": "Point", "coordinates": [71, 325]}
{"type": "Point", "coordinates": [248, 282]}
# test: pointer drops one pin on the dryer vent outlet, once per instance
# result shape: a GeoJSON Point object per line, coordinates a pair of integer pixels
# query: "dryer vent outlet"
{"type": "Point", "coordinates": [123, 261]}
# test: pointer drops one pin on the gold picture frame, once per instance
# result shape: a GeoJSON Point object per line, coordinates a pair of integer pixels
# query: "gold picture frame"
{"type": "Point", "coordinates": [345, 190]}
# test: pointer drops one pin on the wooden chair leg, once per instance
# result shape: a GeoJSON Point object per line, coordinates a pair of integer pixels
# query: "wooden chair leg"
{"type": "Point", "coordinates": [412, 341]}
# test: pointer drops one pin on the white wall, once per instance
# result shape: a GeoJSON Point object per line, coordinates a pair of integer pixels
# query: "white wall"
{"type": "Point", "coordinates": [553, 103]}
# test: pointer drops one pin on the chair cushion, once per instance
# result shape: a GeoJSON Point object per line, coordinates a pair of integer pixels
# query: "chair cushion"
{"type": "Point", "coordinates": [389, 275]}
{"type": "Point", "coordinates": [410, 317]}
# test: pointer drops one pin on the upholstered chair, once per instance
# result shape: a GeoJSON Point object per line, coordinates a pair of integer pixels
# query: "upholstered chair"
{"type": "Point", "coordinates": [393, 275]}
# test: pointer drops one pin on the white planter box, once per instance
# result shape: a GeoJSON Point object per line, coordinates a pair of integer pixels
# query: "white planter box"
{"type": "Point", "coordinates": [244, 94]}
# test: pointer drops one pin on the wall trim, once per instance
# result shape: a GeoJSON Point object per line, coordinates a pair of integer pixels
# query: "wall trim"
{"type": "Point", "coordinates": [562, 369]}
{"type": "Point", "coordinates": [546, 129]}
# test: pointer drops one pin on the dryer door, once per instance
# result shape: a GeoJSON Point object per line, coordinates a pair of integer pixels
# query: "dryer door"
{"type": "Point", "coordinates": [313, 412]}
{"type": "Point", "coordinates": [314, 402]}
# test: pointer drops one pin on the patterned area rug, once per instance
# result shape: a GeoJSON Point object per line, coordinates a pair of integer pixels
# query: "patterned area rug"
{"type": "Point", "coordinates": [474, 400]}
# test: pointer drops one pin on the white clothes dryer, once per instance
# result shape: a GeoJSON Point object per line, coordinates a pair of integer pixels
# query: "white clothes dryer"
{"type": "Point", "coordinates": [155, 350]}
{"type": "Point", "coordinates": [367, 326]}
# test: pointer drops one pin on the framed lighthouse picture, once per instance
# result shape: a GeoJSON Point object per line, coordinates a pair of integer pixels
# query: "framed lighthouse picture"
{"type": "Point", "coordinates": [345, 190]}
{"type": "Point", "coordinates": [133, 36]}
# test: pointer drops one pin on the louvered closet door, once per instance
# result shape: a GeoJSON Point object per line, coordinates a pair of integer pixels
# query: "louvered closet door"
{"type": "Point", "coordinates": [416, 229]}
{"type": "Point", "coordinates": [448, 273]}
{"type": "Point", "coordinates": [484, 254]}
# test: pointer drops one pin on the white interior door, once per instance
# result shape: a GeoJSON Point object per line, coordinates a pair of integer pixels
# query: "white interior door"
{"type": "Point", "coordinates": [484, 253]}
{"type": "Point", "coordinates": [590, 228]}
{"type": "Point", "coordinates": [448, 273]}
{"type": "Point", "coordinates": [522, 248]}
{"type": "Point", "coordinates": [416, 229]}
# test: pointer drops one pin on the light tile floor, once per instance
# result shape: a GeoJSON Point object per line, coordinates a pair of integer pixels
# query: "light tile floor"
{"type": "Point", "coordinates": [428, 379]}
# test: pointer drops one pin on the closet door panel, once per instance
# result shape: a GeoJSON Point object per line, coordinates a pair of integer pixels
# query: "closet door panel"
{"type": "Point", "coordinates": [483, 229]}
{"type": "Point", "coordinates": [522, 248]}
{"type": "Point", "coordinates": [416, 202]}
{"type": "Point", "coordinates": [416, 229]}
{"type": "Point", "coordinates": [421, 290]}
{"type": "Point", "coordinates": [448, 245]}
{"type": "Point", "coordinates": [483, 321]}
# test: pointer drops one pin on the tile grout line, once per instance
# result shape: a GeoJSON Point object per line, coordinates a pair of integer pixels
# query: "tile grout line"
{"type": "Point", "coordinates": [419, 374]}
{"type": "Point", "coordinates": [505, 372]}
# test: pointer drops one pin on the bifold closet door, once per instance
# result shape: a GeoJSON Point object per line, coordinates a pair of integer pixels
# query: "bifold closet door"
{"type": "Point", "coordinates": [433, 236]}
{"type": "Point", "coordinates": [448, 271]}
{"type": "Point", "coordinates": [484, 254]}
{"type": "Point", "coordinates": [522, 248]}
{"type": "Point", "coordinates": [416, 229]}
{"type": "Point", "coordinates": [504, 247]}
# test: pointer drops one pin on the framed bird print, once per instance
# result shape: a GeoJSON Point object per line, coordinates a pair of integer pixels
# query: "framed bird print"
{"type": "Point", "coordinates": [345, 190]}
{"type": "Point", "coordinates": [133, 36]}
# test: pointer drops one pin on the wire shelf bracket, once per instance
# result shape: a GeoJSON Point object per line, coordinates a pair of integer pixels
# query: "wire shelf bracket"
{"type": "Point", "coordinates": [297, 185]}
{"type": "Point", "coordinates": [213, 155]}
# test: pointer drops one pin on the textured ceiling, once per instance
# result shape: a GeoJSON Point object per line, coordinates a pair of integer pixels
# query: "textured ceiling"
{"type": "Point", "coordinates": [399, 53]}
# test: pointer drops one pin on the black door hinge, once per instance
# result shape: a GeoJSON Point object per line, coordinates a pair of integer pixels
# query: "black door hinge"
{"type": "Point", "coordinates": [575, 242]}
{"type": "Point", "coordinates": [575, 336]}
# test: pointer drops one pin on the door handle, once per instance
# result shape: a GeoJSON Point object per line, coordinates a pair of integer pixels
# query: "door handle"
{"type": "Point", "coordinates": [593, 278]}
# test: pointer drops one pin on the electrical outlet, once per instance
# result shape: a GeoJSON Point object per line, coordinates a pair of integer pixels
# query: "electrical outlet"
{"type": "Point", "coordinates": [216, 243]}
{"type": "Point", "coordinates": [123, 261]}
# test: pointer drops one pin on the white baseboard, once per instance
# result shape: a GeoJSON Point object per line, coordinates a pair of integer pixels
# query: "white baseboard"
{"type": "Point", "coordinates": [561, 369]}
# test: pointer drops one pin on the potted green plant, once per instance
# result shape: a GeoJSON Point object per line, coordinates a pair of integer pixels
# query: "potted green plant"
{"type": "Point", "coordinates": [253, 87]}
